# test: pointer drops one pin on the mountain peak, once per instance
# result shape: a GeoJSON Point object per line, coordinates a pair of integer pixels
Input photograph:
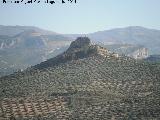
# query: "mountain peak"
{"type": "Point", "coordinates": [79, 49]}
{"type": "Point", "coordinates": [79, 44]}
{"type": "Point", "coordinates": [82, 47]}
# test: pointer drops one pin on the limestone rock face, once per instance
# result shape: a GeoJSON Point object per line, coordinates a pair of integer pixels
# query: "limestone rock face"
{"type": "Point", "coordinates": [140, 53]}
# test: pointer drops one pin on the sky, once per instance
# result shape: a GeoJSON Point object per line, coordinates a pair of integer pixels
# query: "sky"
{"type": "Point", "coordinates": [86, 16]}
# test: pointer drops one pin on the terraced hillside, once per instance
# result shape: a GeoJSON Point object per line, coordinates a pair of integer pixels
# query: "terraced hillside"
{"type": "Point", "coordinates": [86, 86]}
{"type": "Point", "coordinates": [29, 107]}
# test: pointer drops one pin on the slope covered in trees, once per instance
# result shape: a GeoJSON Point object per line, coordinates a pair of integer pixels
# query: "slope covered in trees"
{"type": "Point", "coordinates": [92, 87]}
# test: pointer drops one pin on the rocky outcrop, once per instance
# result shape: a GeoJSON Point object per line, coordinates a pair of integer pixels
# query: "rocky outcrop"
{"type": "Point", "coordinates": [80, 43]}
{"type": "Point", "coordinates": [82, 47]}
{"type": "Point", "coordinates": [79, 49]}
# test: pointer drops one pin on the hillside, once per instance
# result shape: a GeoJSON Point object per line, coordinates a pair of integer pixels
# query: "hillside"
{"type": "Point", "coordinates": [86, 82]}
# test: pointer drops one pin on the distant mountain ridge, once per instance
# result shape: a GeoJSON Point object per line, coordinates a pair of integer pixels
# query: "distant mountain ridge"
{"type": "Point", "coordinates": [24, 46]}
{"type": "Point", "coordinates": [136, 35]}
{"type": "Point", "coordinates": [14, 30]}
{"type": "Point", "coordinates": [134, 51]}
{"type": "Point", "coordinates": [28, 47]}
{"type": "Point", "coordinates": [153, 58]}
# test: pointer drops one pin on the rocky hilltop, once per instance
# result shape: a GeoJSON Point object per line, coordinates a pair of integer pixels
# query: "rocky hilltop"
{"type": "Point", "coordinates": [80, 48]}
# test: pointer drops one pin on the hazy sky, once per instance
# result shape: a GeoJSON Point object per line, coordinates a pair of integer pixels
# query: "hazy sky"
{"type": "Point", "coordinates": [84, 17]}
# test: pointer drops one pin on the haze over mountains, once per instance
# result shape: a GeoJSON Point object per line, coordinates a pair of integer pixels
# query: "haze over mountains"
{"type": "Point", "coordinates": [135, 35]}
{"type": "Point", "coordinates": [14, 30]}
{"type": "Point", "coordinates": [86, 82]}
{"type": "Point", "coordinates": [23, 46]}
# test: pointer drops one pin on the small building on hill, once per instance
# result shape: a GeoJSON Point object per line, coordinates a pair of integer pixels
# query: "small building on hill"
{"type": "Point", "coordinates": [101, 50]}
